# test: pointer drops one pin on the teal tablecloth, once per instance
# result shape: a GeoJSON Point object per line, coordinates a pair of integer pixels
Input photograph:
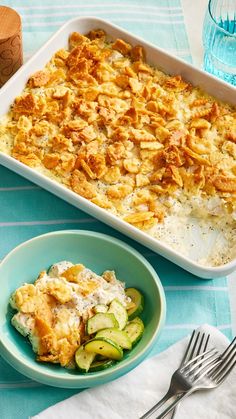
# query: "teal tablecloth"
{"type": "Point", "coordinates": [27, 211]}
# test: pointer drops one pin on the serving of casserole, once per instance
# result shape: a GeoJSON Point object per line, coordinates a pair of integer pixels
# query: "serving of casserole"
{"type": "Point", "coordinates": [143, 150]}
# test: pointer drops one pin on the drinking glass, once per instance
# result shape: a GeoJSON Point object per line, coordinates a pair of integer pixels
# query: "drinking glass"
{"type": "Point", "coordinates": [219, 39]}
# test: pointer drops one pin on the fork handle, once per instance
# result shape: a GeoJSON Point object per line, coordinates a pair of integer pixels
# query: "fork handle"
{"type": "Point", "coordinates": [167, 397]}
{"type": "Point", "coordinates": [173, 404]}
{"type": "Point", "coordinates": [174, 412]}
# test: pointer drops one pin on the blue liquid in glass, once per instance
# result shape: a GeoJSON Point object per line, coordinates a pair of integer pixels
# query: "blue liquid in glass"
{"type": "Point", "coordinates": [220, 52]}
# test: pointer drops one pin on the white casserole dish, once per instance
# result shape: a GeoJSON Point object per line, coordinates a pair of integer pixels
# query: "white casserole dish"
{"type": "Point", "coordinates": [156, 57]}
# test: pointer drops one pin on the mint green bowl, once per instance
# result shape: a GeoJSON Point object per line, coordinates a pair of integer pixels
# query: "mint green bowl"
{"type": "Point", "coordinates": [98, 252]}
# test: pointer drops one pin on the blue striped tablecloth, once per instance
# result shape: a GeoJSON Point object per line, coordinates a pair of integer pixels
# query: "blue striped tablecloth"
{"type": "Point", "coordinates": [27, 211]}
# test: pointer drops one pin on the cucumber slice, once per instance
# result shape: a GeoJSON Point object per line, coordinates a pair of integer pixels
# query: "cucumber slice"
{"type": "Point", "coordinates": [119, 312]}
{"type": "Point", "coordinates": [100, 308]}
{"type": "Point", "coordinates": [137, 320]}
{"type": "Point", "coordinates": [105, 347]}
{"type": "Point", "coordinates": [101, 365]}
{"type": "Point", "coordinates": [84, 359]}
{"type": "Point", "coordinates": [100, 321]}
{"type": "Point", "coordinates": [134, 330]}
{"type": "Point", "coordinates": [137, 300]}
{"type": "Point", "coordinates": [117, 336]}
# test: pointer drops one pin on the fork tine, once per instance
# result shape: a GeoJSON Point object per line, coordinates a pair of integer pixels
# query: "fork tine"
{"type": "Point", "coordinates": [202, 364]}
{"type": "Point", "coordinates": [225, 356]}
{"type": "Point", "coordinates": [226, 373]}
{"type": "Point", "coordinates": [202, 357]}
{"type": "Point", "coordinates": [207, 371]}
{"type": "Point", "coordinates": [202, 349]}
{"type": "Point", "coordinates": [193, 349]}
{"type": "Point", "coordinates": [187, 355]}
{"type": "Point", "coordinates": [194, 345]}
{"type": "Point", "coordinates": [228, 348]}
{"type": "Point", "coordinates": [226, 363]}
{"type": "Point", "coordinates": [206, 343]}
{"type": "Point", "coordinates": [200, 345]}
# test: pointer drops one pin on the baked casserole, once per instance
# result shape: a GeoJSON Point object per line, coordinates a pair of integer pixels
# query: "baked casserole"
{"type": "Point", "coordinates": [148, 147]}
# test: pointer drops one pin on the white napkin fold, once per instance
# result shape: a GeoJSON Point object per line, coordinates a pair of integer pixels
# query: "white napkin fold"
{"type": "Point", "coordinates": [132, 395]}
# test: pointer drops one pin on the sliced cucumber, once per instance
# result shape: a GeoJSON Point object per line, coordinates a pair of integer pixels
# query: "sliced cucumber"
{"type": "Point", "coordinates": [119, 312]}
{"type": "Point", "coordinates": [100, 308]}
{"type": "Point", "coordinates": [139, 321]}
{"type": "Point", "coordinates": [84, 359]}
{"type": "Point", "coordinates": [101, 321]}
{"type": "Point", "coordinates": [101, 365]}
{"type": "Point", "coordinates": [105, 347]}
{"type": "Point", "coordinates": [134, 330]}
{"type": "Point", "coordinates": [137, 300]}
{"type": "Point", "coordinates": [117, 336]}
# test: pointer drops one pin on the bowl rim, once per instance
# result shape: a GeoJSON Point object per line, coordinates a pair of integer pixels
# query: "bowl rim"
{"type": "Point", "coordinates": [35, 372]}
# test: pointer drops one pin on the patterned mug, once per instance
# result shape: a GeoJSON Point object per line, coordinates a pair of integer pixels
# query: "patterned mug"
{"type": "Point", "coordinates": [11, 56]}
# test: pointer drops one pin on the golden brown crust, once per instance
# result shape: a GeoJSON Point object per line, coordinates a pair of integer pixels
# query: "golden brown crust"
{"type": "Point", "coordinates": [109, 126]}
{"type": "Point", "coordinates": [39, 79]}
{"type": "Point", "coordinates": [57, 325]}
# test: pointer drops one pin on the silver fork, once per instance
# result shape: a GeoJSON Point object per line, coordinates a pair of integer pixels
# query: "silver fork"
{"type": "Point", "coordinates": [196, 345]}
{"type": "Point", "coordinates": [215, 376]}
{"type": "Point", "coordinates": [186, 378]}
{"type": "Point", "coordinates": [193, 350]}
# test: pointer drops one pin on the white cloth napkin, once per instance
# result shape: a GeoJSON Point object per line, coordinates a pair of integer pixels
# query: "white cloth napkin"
{"type": "Point", "coordinates": [133, 394]}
